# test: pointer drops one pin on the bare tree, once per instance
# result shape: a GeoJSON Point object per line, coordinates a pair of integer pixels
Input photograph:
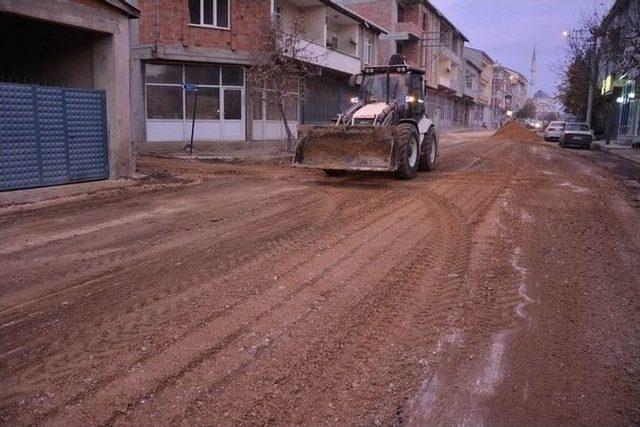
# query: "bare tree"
{"type": "Point", "coordinates": [579, 69]}
{"type": "Point", "coordinates": [281, 62]}
{"type": "Point", "coordinates": [620, 35]}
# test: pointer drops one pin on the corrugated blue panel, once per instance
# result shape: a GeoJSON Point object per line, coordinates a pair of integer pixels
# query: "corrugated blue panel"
{"type": "Point", "coordinates": [18, 137]}
{"type": "Point", "coordinates": [86, 135]}
{"type": "Point", "coordinates": [51, 131]}
{"type": "Point", "coordinates": [51, 136]}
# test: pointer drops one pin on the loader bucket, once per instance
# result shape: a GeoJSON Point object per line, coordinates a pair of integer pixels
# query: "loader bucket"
{"type": "Point", "coordinates": [345, 148]}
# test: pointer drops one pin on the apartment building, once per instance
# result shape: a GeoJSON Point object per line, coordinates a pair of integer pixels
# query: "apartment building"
{"type": "Point", "coordinates": [209, 42]}
{"type": "Point", "coordinates": [471, 92]}
{"type": "Point", "coordinates": [481, 114]}
{"type": "Point", "coordinates": [427, 39]}
{"type": "Point", "coordinates": [509, 92]}
{"type": "Point", "coordinates": [619, 76]}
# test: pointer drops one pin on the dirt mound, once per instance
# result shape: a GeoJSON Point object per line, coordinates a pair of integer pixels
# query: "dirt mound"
{"type": "Point", "coordinates": [517, 131]}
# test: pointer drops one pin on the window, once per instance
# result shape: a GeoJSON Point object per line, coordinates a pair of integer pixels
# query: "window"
{"type": "Point", "coordinates": [232, 76]}
{"type": "Point", "coordinates": [368, 50]}
{"type": "Point", "coordinates": [256, 104]}
{"type": "Point", "coordinates": [159, 73]}
{"type": "Point", "coordinates": [164, 102]}
{"type": "Point", "coordinates": [208, 107]}
{"type": "Point", "coordinates": [211, 13]}
{"type": "Point", "coordinates": [202, 74]}
{"type": "Point", "coordinates": [469, 80]}
{"type": "Point", "coordinates": [233, 104]}
{"type": "Point", "coordinates": [401, 13]}
{"type": "Point", "coordinates": [166, 99]}
{"type": "Point", "coordinates": [273, 112]}
{"type": "Point", "coordinates": [277, 12]}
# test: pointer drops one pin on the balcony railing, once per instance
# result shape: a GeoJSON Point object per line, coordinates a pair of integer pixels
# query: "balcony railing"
{"type": "Point", "coordinates": [323, 56]}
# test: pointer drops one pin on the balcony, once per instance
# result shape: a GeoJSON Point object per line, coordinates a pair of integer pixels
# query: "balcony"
{"type": "Point", "coordinates": [407, 31]}
{"type": "Point", "coordinates": [333, 59]}
{"type": "Point", "coordinates": [329, 39]}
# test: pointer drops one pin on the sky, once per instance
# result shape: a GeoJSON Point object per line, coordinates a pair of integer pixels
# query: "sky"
{"type": "Point", "coordinates": [508, 30]}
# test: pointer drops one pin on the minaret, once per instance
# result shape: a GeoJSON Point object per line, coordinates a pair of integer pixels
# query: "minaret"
{"type": "Point", "coordinates": [534, 71]}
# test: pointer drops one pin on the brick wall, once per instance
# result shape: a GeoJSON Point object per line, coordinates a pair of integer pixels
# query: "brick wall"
{"type": "Point", "coordinates": [171, 20]}
{"type": "Point", "coordinates": [378, 11]}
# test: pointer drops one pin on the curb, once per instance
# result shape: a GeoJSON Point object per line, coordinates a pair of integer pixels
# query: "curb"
{"type": "Point", "coordinates": [616, 150]}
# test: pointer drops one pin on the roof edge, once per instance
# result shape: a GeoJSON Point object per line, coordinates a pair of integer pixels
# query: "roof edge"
{"type": "Point", "coordinates": [126, 7]}
{"type": "Point", "coordinates": [353, 15]}
{"type": "Point", "coordinates": [445, 19]}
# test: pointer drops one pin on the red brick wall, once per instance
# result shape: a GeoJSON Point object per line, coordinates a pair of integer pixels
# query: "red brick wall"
{"type": "Point", "coordinates": [174, 30]}
{"type": "Point", "coordinates": [378, 11]}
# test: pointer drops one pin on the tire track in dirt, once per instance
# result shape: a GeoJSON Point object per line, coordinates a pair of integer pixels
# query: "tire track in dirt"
{"type": "Point", "coordinates": [358, 205]}
{"type": "Point", "coordinates": [195, 340]}
{"type": "Point", "coordinates": [457, 255]}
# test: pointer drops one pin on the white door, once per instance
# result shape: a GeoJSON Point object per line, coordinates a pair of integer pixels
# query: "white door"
{"type": "Point", "coordinates": [232, 126]}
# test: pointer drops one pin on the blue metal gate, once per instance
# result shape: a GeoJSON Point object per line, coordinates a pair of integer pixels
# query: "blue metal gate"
{"type": "Point", "coordinates": [51, 136]}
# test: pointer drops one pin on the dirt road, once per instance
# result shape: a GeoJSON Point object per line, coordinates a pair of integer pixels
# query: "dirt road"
{"type": "Point", "coordinates": [502, 289]}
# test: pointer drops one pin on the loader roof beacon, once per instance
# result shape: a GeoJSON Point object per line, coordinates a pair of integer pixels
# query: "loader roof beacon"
{"type": "Point", "coordinates": [384, 129]}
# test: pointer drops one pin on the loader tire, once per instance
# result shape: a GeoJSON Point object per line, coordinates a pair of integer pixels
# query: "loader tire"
{"type": "Point", "coordinates": [334, 172]}
{"type": "Point", "coordinates": [429, 152]}
{"type": "Point", "coordinates": [407, 141]}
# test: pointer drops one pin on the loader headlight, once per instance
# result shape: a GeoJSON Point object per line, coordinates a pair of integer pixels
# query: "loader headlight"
{"type": "Point", "coordinates": [354, 100]}
{"type": "Point", "coordinates": [410, 99]}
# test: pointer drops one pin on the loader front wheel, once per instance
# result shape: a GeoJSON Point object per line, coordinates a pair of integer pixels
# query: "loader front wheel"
{"type": "Point", "coordinates": [429, 152]}
{"type": "Point", "coordinates": [407, 151]}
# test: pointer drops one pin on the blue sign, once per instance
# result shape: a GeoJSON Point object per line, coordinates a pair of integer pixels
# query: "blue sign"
{"type": "Point", "coordinates": [190, 87]}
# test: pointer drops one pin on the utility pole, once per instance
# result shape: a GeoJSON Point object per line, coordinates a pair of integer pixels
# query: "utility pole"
{"type": "Point", "coordinates": [592, 78]}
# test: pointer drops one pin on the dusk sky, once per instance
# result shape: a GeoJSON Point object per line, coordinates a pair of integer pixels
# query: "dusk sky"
{"type": "Point", "coordinates": [508, 29]}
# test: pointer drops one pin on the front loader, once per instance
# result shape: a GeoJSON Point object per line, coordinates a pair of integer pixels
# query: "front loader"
{"type": "Point", "coordinates": [384, 129]}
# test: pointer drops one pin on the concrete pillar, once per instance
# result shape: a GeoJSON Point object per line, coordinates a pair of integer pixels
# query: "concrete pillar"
{"type": "Point", "coordinates": [138, 112]}
{"type": "Point", "coordinates": [111, 74]}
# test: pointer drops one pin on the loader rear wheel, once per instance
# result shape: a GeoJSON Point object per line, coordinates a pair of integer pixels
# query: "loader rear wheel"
{"type": "Point", "coordinates": [334, 172]}
{"type": "Point", "coordinates": [429, 152]}
{"type": "Point", "coordinates": [407, 151]}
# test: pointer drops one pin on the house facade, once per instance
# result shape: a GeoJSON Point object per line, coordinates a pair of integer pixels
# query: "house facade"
{"type": "Point", "coordinates": [619, 72]}
{"type": "Point", "coordinates": [209, 42]}
{"type": "Point", "coordinates": [428, 40]}
{"type": "Point", "coordinates": [471, 92]}
{"type": "Point", "coordinates": [64, 91]}
{"type": "Point", "coordinates": [509, 92]}
{"type": "Point", "coordinates": [482, 114]}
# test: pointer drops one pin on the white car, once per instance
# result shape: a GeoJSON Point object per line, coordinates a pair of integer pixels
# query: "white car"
{"type": "Point", "coordinates": [578, 134]}
{"type": "Point", "coordinates": [554, 130]}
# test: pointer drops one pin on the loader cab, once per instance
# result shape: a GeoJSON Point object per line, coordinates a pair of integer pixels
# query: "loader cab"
{"type": "Point", "coordinates": [393, 83]}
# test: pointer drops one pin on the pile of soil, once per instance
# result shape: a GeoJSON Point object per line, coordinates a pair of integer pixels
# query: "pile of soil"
{"type": "Point", "coordinates": [516, 130]}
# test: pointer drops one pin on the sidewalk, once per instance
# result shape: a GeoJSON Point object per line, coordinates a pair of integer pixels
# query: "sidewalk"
{"type": "Point", "coordinates": [624, 151]}
{"type": "Point", "coordinates": [221, 151]}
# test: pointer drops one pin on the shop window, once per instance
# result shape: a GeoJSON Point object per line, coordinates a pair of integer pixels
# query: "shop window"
{"type": "Point", "coordinates": [256, 105]}
{"type": "Point", "coordinates": [291, 107]}
{"type": "Point", "coordinates": [164, 102]}
{"type": "Point", "coordinates": [202, 74]}
{"type": "Point", "coordinates": [273, 112]}
{"type": "Point", "coordinates": [161, 73]}
{"type": "Point", "coordinates": [232, 104]}
{"type": "Point", "coordinates": [210, 13]}
{"type": "Point", "coordinates": [232, 76]}
{"type": "Point", "coordinates": [208, 107]}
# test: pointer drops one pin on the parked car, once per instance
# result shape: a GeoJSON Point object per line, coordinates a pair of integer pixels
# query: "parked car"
{"type": "Point", "coordinates": [554, 130]}
{"type": "Point", "coordinates": [577, 134]}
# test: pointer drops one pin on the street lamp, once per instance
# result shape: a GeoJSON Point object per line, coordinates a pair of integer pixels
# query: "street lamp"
{"type": "Point", "coordinates": [565, 33]}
